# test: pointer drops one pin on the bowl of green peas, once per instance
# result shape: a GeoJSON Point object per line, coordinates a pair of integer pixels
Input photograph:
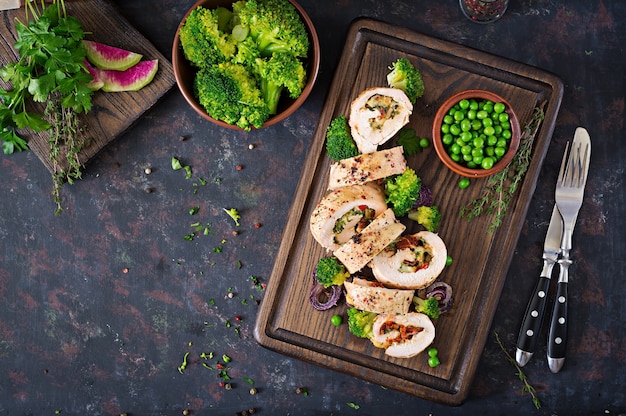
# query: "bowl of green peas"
{"type": "Point", "coordinates": [476, 133]}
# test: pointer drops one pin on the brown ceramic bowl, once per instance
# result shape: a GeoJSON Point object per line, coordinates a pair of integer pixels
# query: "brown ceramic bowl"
{"type": "Point", "coordinates": [441, 149]}
{"type": "Point", "coordinates": [185, 73]}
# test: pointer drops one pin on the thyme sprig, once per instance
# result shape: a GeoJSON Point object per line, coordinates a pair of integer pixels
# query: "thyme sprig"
{"type": "Point", "coordinates": [528, 388]}
{"type": "Point", "coordinates": [498, 193]}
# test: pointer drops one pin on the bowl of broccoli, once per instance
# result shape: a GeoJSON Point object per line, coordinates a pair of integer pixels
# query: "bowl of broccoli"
{"type": "Point", "coordinates": [245, 64]}
{"type": "Point", "coordinates": [476, 133]}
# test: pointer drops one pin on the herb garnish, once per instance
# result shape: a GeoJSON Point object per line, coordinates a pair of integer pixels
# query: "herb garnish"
{"type": "Point", "coordinates": [501, 187]}
{"type": "Point", "coordinates": [51, 70]}
{"type": "Point", "coordinates": [527, 387]}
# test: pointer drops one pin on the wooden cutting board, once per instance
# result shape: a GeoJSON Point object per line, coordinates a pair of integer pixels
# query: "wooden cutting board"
{"type": "Point", "coordinates": [288, 324]}
{"type": "Point", "coordinates": [112, 113]}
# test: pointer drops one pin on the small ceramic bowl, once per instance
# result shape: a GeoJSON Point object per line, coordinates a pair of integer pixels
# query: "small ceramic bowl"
{"type": "Point", "coordinates": [185, 73]}
{"type": "Point", "coordinates": [440, 147]}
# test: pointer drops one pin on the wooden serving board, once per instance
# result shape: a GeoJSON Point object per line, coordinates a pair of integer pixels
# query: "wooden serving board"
{"type": "Point", "coordinates": [288, 324]}
{"type": "Point", "coordinates": [112, 113]}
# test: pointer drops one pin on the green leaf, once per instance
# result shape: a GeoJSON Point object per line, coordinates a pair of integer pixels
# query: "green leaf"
{"type": "Point", "coordinates": [41, 87]}
{"type": "Point", "coordinates": [33, 121]}
{"type": "Point", "coordinates": [409, 141]}
{"type": "Point", "coordinates": [11, 142]}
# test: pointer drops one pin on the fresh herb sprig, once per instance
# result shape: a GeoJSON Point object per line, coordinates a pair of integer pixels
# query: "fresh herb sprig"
{"type": "Point", "coordinates": [528, 388]}
{"type": "Point", "coordinates": [51, 70]}
{"type": "Point", "coordinates": [500, 188]}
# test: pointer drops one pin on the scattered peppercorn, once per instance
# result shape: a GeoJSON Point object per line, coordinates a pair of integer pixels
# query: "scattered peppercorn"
{"type": "Point", "coordinates": [239, 167]}
{"type": "Point", "coordinates": [186, 412]}
{"type": "Point", "coordinates": [252, 391]}
{"type": "Point", "coordinates": [149, 190]}
{"type": "Point", "coordinates": [238, 318]}
{"type": "Point", "coordinates": [251, 146]}
{"type": "Point", "coordinates": [125, 270]}
{"type": "Point", "coordinates": [235, 233]}
{"type": "Point", "coordinates": [182, 138]}
{"type": "Point", "coordinates": [148, 171]}
{"type": "Point", "coordinates": [257, 225]}
{"type": "Point", "coordinates": [228, 386]}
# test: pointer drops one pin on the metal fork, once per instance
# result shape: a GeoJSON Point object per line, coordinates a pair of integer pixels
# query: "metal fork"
{"type": "Point", "coordinates": [569, 193]}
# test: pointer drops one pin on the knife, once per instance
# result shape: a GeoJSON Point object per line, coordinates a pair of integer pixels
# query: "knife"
{"type": "Point", "coordinates": [533, 318]}
{"type": "Point", "coordinates": [557, 337]}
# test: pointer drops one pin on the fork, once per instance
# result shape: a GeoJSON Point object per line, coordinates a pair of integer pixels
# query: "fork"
{"type": "Point", "coordinates": [569, 193]}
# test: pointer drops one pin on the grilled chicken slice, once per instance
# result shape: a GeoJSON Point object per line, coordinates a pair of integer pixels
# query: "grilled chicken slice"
{"type": "Point", "coordinates": [376, 115]}
{"type": "Point", "coordinates": [403, 336]}
{"type": "Point", "coordinates": [371, 296]}
{"type": "Point", "coordinates": [367, 167]}
{"type": "Point", "coordinates": [345, 212]}
{"type": "Point", "coordinates": [363, 246]}
{"type": "Point", "coordinates": [413, 262]}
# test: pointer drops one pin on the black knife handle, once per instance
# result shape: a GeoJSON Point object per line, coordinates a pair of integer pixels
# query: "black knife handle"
{"type": "Point", "coordinates": [533, 318]}
{"type": "Point", "coordinates": [557, 339]}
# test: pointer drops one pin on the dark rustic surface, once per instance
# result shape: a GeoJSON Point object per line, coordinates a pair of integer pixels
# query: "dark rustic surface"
{"type": "Point", "coordinates": [100, 304]}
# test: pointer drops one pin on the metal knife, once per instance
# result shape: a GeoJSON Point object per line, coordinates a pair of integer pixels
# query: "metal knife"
{"type": "Point", "coordinates": [533, 318]}
{"type": "Point", "coordinates": [557, 337]}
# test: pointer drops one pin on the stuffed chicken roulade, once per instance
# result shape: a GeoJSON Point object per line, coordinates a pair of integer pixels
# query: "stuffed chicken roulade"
{"type": "Point", "coordinates": [403, 336]}
{"type": "Point", "coordinates": [371, 296]}
{"type": "Point", "coordinates": [414, 261]}
{"type": "Point", "coordinates": [362, 247]}
{"type": "Point", "coordinates": [376, 115]}
{"type": "Point", "coordinates": [345, 212]}
{"type": "Point", "coordinates": [367, 167]}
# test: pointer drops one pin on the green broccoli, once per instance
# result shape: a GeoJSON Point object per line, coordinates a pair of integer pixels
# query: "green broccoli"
{"type": "Point", "coordinates": [339, 142]}
{"type": "Point", "coordinates": [330, 271]}
{"type": "Point", "coordinates": [406, 77]}
{"type": "Point", "coordinates": [360, 323]}
{"type": "Point", "coordinates": [428, 306]}
{"type": "Point", "coordinates": [275, 25]}
{"type": "Point", "coordinates": [229, 93]}
{"type": "Point", "coordinates": [204, 43]}
{"type": "Point", "coordinates": [282, 71]}
{"type": "Point", "coordinates": [401, 191]}
{"type": "Point", "coordinates": [428, 216]}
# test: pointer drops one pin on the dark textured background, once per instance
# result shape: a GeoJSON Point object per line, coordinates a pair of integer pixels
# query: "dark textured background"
{"type": "Point", "coordinates": [99, 305]}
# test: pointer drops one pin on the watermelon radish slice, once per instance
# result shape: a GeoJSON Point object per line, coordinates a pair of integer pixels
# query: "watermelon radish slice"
{"type": "Point", "coordinates": [131, 79]}
{"type": "Point", "coordinates": [96, 83]}
{"type": "Point", "coordinates": [109, 57]}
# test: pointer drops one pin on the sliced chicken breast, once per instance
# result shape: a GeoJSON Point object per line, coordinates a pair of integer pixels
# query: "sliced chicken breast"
{"type": "Point", "coordinates": [403, 336]}
{"type": "Point", "coordinates": [367, 167]}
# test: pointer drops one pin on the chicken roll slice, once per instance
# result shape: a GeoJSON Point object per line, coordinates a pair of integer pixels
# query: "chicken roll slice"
{"type": "Point", "coordinates": [371, 296]}
{"type": "Point", "coordinates": [413, 262]}
{"type": "Point", "coordinates": [376, 115]}
{"type": "Point", "coordinates": [364, 246]}
{"type": "Point", "coordinates": [403, 336]}
{"type": "Point", "coordinates": [367, 167]}
{"type": "Point", "coordinates": [345, 212]}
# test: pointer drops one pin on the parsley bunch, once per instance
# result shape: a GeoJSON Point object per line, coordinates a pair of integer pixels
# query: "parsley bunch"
{"type": "Point", "coordinates": [50, 70]}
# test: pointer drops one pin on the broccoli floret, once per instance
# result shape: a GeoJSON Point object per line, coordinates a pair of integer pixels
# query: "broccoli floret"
{"type": "Point", "coordinates": [229, 93]}
{"type": "Point", "coordinates": [339, 142]}
{"type": "Point", "coordinates": [275, 25]}
{"type": "Point", "coordinates": [282, 71]}
{"type": "Point", "coordinates": [360, 323]}
{"type": "Point", "coordinates": [330, 271]}
{"type": "Point", "coordinates": [428, 216]}
{"type": "Point", "coordinates": [203, 43]}
{"type": "Point", "coordinates": [406, 77]}
{"type": "Point", "coordinates": [428, 306]}
{"type": "Point", "coordinates": [401, 191]}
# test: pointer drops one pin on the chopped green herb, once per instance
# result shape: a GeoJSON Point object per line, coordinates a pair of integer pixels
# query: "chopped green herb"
{"type": "Point", "coordinates": [183, 365]}
{"type": "Point", "coordinates": [194, 210]}
{"type": "Point", "coordinates": [353, 405]}
{"type": "Point", "coordinates": [226, 358]}
{"type": "Point", "coordinates": [234, 214]}
{"type": "Point", "coordinates": [249, 381]}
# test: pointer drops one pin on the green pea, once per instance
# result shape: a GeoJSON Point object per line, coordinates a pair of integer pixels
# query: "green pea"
{"type": "Point", "coordinates": [499, 107]}
{"type": "Point", "coordinates": [448, 263]}
{"type": "Point", "coordinates": [455, 149]}
{"type": "Point", "coordinates": [464, 183]}
{"type": "Point", "coordinates": [432, 352]}
{"type": "Point", "coordinates": [482, 114]}
{"type": "Point", "coordinates": [489, 131]}
{"type": "Point", "coordinates": [464, 104]}
{"type": "Point", "coordinates": [503, 117]}
{"type": "Point", "coordinates": [466, 124]}
{"type": "Point", "coordinates": [336, 320]}
{"type": "Point", "coordinates": [447, 139]}
{"type": "Point", "coordinates": [445, 128]}
{"type": "Point", "coordinates": [448, 119]}
{"type": "Point", "coordinates": [455, 129]}
{"type": "Point", "coordinates": [424, 143]}
{"type": "Point", "coordinates": [499, 152]}
{"type": "Point", "coordinates": [487, 163]}
{"type": "Point", "coordinates": [433, 361]}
